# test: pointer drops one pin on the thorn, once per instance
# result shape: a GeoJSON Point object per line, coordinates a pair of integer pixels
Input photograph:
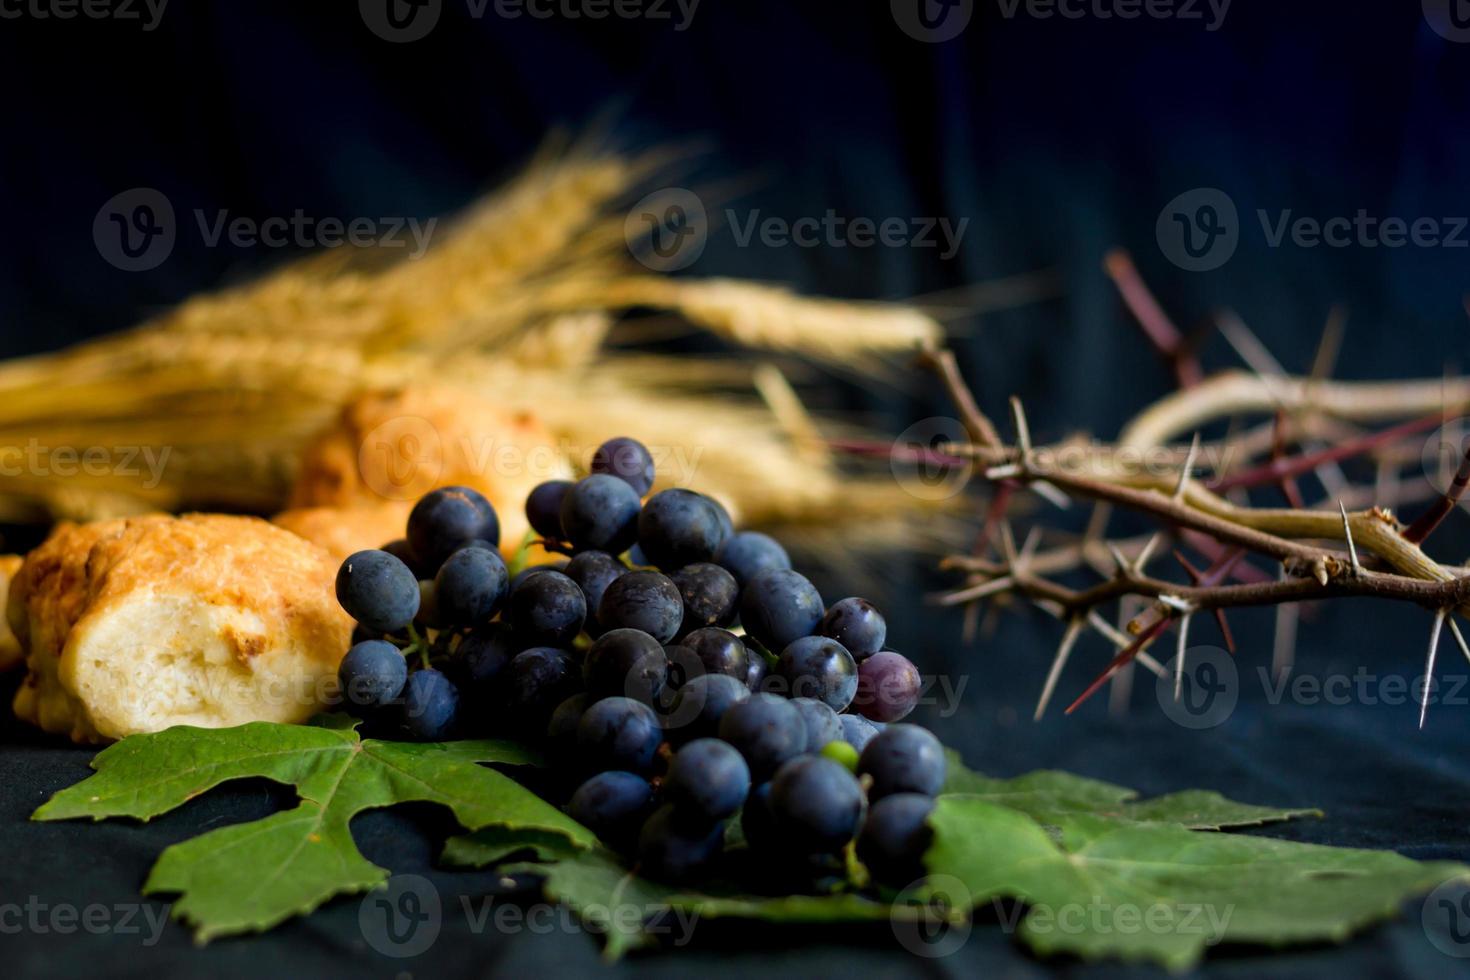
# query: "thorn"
{"type": "Point", "coordinates": [1459, 638]}
{"type": "Point", "coordinates": [1147, 552]}
{"type": "Point", "coordinates": [1439, 618]}
{"type": "Point", "coordinates": [1064, 650]}
{"type": "Point", "coordinates": [971, 624]}
{"type": "Point", "coordinates": [1005, 471]}
{"type": "Point", "coordinates": [1188, 465]}
{"type": "Point", "coordinates": [1328, 347]}
{"type": "Point", "coordinates": [1050, 493]}
{"type": "Point", "coordinates": [1283, 647]}
{"type": "Point", "coordinates": [1115, 636]}
{"type": "Point", "coordinates": [1023, 431]}
{"type": "Point", "coordinates": [1179, 657]}
{"type": "Point", "coordinates": [1118, 663]}
{"type": "Point", "coordinates": [1176, 603]}
{"type": "Point", "coordinates": [1154, 667]}
{"type": "Point", "coordinates": [1124, 567]}
{"type": "Point", "coordinates": [1007, 544]}
{"type": "Point", "coordinates": [978, 591]}
{"type": "Point", "coordinates": [1225, 633]}
{"type": "Point", "coordinates": [1347, 530]}
{"type": "Point", "coordinates": [1028, 551]}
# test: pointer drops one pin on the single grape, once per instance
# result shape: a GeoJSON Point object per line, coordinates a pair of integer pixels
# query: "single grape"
{"type": "Point", "coordinates": [856, 624]}
{"type": "Point", "coordinates": [378, 591]}
{"type": "Point", "coordinates": [643, 600]}
{"type": "Point", "coordinates": [637, 559]}
{"type": "Point", "coordinates": [821, 723]}
{"type": "Point", "coordinates": [745, 554]}
{"type": "Point", "coordinates": [903, 759]}
{"type": "Point", "coordinates": [674, 851]}
{"type": "Point", "coordinates": [857, 731]}
{"type": "Point", "coordinates": [816, 803]}
{"type": "Point", "coordinates": [727, 526]}
{"type": "Point", "coordinates": [427, 618]}
{"type": "Point", "coordinates": [600, 513]}
{"type": "Point", "coordinates": [719, 652]}
{"type": "Point", "coordinates": [535, 682]}
{"type": "Point", "coordinates": [895, 836]}
{"type": "Point", "coordinates": [888, 687]}
{"type": "Point", "coordinates": [529, 570]}
{"type": "Point", "coordinates": [678, 527]}
{"type": "Point", "coordinates": [842, 754]}
{"type": "Point", "coordinates": [619, 733]}
{"type": "Point", "coordinates": [766, 730]}
{"type": "Point", "coordinates": [470, 586]}
{"type": "Point", "coordinates": [481, 656]}
{"type": "Point", "coordinates": [778, 607]}
{"type": "Point", "coordinates": [701, 703]}
{"type": "Point", "coordinates": [710, 596]}
{"type": "Point", "coordinates": [547, 609]}
{"type": "Point", "coordinates": [707, 780]}
{"type": "Point", "coordinates": [756, 822]}
{"type": "Point", "coordinates": [594, 571]}
{"type": "Point", "coordinates": [816, 667]}
{"type": "Point", "coordinates": [447, 519]}
{"type": "Point", "coordinates": [626, 662]}
{"type": "Point", "coordinates": [628, 460]}
{"type": "Point", "coordinates": [613, 805]}
{"type": "Point", "coordinates": [399, 549]}
{"type": "Point", "coordinates": [430, 703]}
{"type": "Point", "coordinates": [543, 508]}
{"type": "Point", "coordinates": [561, 730]}
{"type": "Point", "coordinates": [372, 674]}
{"type": "Point", "coordinates": [755, 673]}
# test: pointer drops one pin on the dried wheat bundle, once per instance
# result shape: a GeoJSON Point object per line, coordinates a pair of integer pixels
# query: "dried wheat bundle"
{"type": "Point", "coordinates": [515, 302]}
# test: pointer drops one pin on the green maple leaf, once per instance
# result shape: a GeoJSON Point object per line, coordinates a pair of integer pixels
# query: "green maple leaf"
{"type": "Point", "coordinates": [1096, 886]}
{"type": "Point", "coordinates": [249, 877]}
{"type": "Point", "coordinates": [1049, 796]}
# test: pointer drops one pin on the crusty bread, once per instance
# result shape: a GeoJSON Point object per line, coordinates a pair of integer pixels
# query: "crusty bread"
{"type": "Point", "coordinates": [396, 446]}
{"type": "Point", "coordinates": [10, 653]}
{"type": "Point", "coordinates": [341, 531]}
{"type": "Point", "coordinates": [137, 624]}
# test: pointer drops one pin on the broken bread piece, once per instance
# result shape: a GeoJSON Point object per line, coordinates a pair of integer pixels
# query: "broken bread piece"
{"type": "Point", "coordinates": [138, 624]}
{"type": "Point", "coordinates": [10, 653]}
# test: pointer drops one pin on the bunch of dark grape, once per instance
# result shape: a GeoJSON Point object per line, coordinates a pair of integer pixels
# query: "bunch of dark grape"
{"type": "Point", "coordinates": [623, 662]}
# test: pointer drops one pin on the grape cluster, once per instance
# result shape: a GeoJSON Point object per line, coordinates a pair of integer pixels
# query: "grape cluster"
{"type": "Point", "coordinates": [623, 662]}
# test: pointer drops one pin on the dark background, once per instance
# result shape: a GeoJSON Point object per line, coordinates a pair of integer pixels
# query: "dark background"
{"type": "Point", "coordinates": [1056, 138]}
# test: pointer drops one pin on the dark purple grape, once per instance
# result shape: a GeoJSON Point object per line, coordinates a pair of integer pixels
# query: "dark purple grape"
{"type": "Point", "coordinates": [378, 591]}
{"type": "Point", "coordinates": [529, 570]}
{"type": "Point", "coordinates": [678, 527]}
{"type": "Point", "coordinates": [470, 586]}
{"type": "Point", "coordinates": [816, 804]}
{"type": "Point", "coordinates": [903, 759]}
{"type": "Point", "coordinates": [430, 703]}
{"type": "Point", "coordinates": [821, 723]}
{"type": "Point", "coordinates": [710, 596]}
{"type": "Point", "coordinates": [543, 508]}
{"type": "Point", "coordinates": [707, 780]}
{"type": "Point", "coordinates": [628, 460]}
{"type": "Point", "coordinates": [481, 656]}
{"type": "Point", "coordinates": [719, 652]}
{"type": "Point", "coordinates": [895, 836]}
{"type": "Point", "coordinates": [619, 733]}
{"type": "Point", "coordinates": [428, 615]}
{"type": "Point", "coordinates": [857, 731]}
{"type": "Point", "coordinates": [372, 674]}
{"type": "Point", "coordinates": [766, 730]}
{"type": "Point", "coordinates": [535, 682]}
{"type": "Point", "coordinates": [643, 600]}
{"type": "Point", "coordinates": [745, 554]}
{"type": "Point", "coordinates": [399, 549]}
{"type": "Point", "coordinates": [755, 674]}
{"type": "Point", "coordinates": [594, 571]}
{"type": "Point", "coordinates": [628, 663]}
{"type": "Point", "coordinates": [888, 687]}
{"type": "Point", "coordinates": [779, 607]}
{"type": "Point", "coordinates": [701, 703]}
{"type": "Point", "coordinates": [561, 730]}
{"type": "Point", "coordinates": [447, 519]}
{"type": "Point", "coordinates": [613, 805]}
{"type": "Point", "coordinates": [600, 513]}
{"type": "Point", "coordinates": [856, 624]}
{"type": "Point", "coordinates": [816, 667]}
{"type": "Point", "coordinates": [547, 609]}
{"type": "Point", "coordinates": [674, 851]}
